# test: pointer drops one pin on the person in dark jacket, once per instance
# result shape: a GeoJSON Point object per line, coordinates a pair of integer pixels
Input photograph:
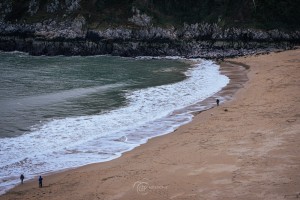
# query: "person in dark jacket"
{"type": "Point", "coordinates": [218, 102]}
{"type": "Point", "coordinates": [40, 182]}
{"type": "Point", "coordinates": [22, 178]}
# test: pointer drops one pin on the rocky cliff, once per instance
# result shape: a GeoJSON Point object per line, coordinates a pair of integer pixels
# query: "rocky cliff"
{"type": "Point", "coordinates": [196, 40]}
{"type": "Point", "coordinates": [73, 34]}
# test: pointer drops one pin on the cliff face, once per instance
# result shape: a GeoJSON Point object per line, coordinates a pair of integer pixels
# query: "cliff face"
{"type": "Point", "coordinates": [197, 40]}
{"type": "Point", "coordinates": [66, 29]}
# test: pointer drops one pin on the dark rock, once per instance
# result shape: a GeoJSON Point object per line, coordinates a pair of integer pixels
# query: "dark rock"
{"type": "Point", "coordinates": [196, 40]}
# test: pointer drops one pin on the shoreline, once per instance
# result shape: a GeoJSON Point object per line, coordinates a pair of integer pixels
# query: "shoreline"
{"type": "Point", "coordinates": [226, 165]}
{"type": "Point", "coordinates": [189, 110]}
{"type": "Point", "coordinates": [237, 77]}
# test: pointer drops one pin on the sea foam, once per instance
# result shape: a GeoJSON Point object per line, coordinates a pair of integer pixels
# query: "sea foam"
{"type": "Point", "coordinates": [76, 141]}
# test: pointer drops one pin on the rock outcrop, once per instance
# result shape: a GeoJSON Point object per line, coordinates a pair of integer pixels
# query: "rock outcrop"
{"type": "Point", "coordinates": [63, 29]}
{"type": "Point", "coordinates": [196, 40]}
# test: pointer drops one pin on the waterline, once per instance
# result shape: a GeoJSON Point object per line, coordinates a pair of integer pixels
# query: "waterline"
{"type": "Point", "coordinates": [76, 141]}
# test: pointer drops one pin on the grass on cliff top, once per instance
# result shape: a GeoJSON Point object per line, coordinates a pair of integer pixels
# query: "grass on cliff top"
{"type": "Point", "coordinates": [265, 14]}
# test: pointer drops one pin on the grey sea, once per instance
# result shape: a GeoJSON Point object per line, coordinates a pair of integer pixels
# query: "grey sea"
{"type": "Point", "coordinates": [63, 112]}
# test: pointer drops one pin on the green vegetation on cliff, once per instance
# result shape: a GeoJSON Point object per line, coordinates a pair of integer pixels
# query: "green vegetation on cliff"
{"type": "Point", "coordinates": [264, 14]}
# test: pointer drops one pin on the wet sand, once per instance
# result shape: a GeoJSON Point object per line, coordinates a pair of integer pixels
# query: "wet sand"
{"type": "Point", "coordinates": [246, 148]}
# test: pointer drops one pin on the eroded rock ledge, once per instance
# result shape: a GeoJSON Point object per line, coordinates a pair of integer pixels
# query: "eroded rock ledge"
{"type": "Point", "coordinates": [196, 40]}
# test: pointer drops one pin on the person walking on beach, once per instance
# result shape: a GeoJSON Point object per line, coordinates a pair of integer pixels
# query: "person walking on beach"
{"type": "Point", "coordinates": [22, 178]}
{"type": "Point", "coordinates": [218, 102]}
{"type": "Point", "coordinates": [40, 182]}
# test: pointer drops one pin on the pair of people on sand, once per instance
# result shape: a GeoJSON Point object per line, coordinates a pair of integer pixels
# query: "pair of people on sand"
{"type": "Point", "coordinates": [22, 177]}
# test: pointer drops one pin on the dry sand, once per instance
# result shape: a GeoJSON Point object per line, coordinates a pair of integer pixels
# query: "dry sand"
{"type": "Point", "coordinates": [247, 148]}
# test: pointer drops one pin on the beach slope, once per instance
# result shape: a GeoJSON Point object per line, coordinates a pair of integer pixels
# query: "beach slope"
{"type": "Point", "coordinates": [247, 148]}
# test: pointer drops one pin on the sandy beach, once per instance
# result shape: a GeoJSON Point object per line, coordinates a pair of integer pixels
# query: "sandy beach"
{"type": "Point", "coordinates": [246, 148]}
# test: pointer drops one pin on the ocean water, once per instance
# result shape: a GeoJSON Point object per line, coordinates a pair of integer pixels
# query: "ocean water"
{"type": "Point", "coordinates": [64, 112]}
